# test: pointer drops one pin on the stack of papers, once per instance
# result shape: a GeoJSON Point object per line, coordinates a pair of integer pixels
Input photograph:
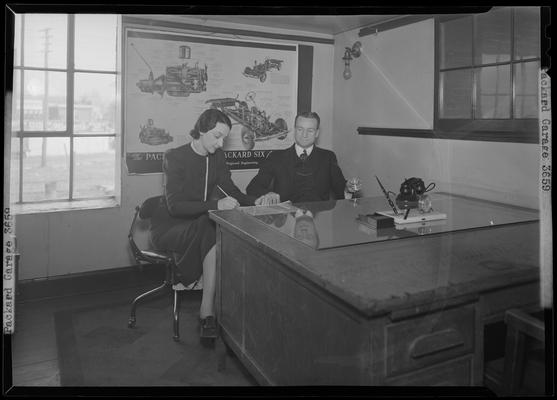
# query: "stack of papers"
{"type": "Point", "coordinates": [414, 216]}
{"type": "Point", "coordinates": [280, 208]}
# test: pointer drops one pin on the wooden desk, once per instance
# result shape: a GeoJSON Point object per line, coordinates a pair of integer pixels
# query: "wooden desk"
{"type": "Point", "coordinates": [400, 312]}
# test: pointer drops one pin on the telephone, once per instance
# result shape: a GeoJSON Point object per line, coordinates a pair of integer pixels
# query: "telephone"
{"type": "Point", "coordinates": [410, 192]}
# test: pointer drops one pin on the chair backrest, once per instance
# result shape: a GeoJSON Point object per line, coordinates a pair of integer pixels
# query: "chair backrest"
{"type": "Point", "coordinates": [145, 211]}
{"type": "Point", "coordinates": [521, 325]}
{"type": "Point", "coordinates": [149, 206]}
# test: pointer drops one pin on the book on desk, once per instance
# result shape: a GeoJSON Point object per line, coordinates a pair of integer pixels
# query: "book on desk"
{"type": "Point", "coordinates": [375, 221]}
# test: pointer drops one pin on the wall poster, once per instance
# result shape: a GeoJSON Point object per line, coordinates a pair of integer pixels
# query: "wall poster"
{"type": "Point", "coordinates": [171, 78]}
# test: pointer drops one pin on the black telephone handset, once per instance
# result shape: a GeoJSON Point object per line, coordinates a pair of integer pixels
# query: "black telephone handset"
{"type": "Point", "coordinates": [410, 190]}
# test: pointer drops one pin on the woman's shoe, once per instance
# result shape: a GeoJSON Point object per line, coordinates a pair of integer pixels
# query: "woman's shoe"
{"type": "Point", "coordinates": [208, 327]}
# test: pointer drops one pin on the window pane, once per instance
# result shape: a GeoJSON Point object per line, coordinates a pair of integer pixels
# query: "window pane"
{"type": "Point", "coordinates": [46, 168]}
{"type": "Point", "coordinates": [527, 32]}
{"type": "Point", "coordinates": [45, 37]}
{"type": "Point", "coordinates": [17, 39]}
{"type": "Point", "coordinates": [494, 92]}
{"type": "Point", "coordinates": [456, 94]}
{"type": "Point", "coordinates": [95, 103]}
{"type": "Point", "coordinates": [94, 166]}
{"type": "Point", "coordinates": [493, 37]}
{"type": "Point", "coordinates": [14, 171]}
{"type": "Point", "coordinates": [16, 101]}
{"type": "Point", "coordinates": [456, 43]}
{"type": "Point", "coordinates": [95, 42]}
{"type": "Point", "coordinates": [526, 90]}
{"type": "Point", "coordinates": [44, 101]}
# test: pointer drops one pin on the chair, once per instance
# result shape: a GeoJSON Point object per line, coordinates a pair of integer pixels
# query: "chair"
{"type": "Point", "coordinates": [158, 257]}
{"type": "Point", "coordinates": [524, 366]}
{"type": "Point", "coordinates": [520, 370]}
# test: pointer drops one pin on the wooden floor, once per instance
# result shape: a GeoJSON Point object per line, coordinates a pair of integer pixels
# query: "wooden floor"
{"type": "Point", "coordinates": [34, 351]}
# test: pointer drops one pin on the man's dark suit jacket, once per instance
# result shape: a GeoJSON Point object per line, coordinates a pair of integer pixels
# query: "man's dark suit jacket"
{"type": "Point", "coordinates": [277, 175]}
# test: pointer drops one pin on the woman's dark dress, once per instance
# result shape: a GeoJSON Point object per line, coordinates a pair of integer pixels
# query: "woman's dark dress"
{"type": "Point", "coordinates": [181, 223]}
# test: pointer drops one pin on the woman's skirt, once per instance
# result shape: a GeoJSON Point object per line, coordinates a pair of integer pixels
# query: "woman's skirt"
{"type": "Point", "coordinates": [189, 239]}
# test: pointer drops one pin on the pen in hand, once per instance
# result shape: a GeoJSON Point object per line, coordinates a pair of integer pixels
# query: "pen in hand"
{"type": "Point", "coordinates": [226, 194]}
{"type": "Point", "coordinates": [407, 212]}
{"type": "Point", "coordinates": [235, 202]}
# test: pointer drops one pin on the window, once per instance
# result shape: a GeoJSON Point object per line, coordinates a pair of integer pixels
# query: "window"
{"type": "Point", "coordinates": [65, 145]}
{"type": "Point", "coordinates": [488, 75]}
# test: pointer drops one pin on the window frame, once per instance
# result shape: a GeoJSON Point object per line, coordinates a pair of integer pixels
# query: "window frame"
{"type": "Point", "coordinates": [523, 130]}
{"type": "Point", "coordinates": [20, 134]}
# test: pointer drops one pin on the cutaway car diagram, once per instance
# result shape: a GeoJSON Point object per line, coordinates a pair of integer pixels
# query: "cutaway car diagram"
{"type": "Point", "coordinates": [256, 123]}
{"type": "Point", "coordinates": [152, 135]}
{"type": "Point", "coordinates": [178, 81]}
{"type": "Point", "coordinates": [259, 71]}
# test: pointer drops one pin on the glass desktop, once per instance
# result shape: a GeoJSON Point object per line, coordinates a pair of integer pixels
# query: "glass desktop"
{"type": "Point", "coordinates": [336, 223]}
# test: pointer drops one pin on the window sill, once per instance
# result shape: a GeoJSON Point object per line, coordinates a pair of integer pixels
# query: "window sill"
{"type": "Point", "coordinates": [473, 135]}
{"type": "Point", "coordinates": [58, 206]}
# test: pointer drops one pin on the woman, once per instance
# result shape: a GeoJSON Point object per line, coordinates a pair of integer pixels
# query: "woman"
{"type": "Point", "coordinates": [193, 174]}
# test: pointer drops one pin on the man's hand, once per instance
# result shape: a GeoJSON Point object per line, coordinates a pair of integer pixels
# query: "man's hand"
{"type": "Point", "coordinates": [227, 203]}
{"type": "Point", "coordinates": [268, 199]}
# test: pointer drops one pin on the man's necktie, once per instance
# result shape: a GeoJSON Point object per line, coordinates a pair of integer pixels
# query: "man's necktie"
{"type": "Point", "coordinates": [304, 156]}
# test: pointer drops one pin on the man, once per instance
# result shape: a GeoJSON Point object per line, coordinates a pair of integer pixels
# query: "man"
{"type": "Point", "coordinates": [301, 173]}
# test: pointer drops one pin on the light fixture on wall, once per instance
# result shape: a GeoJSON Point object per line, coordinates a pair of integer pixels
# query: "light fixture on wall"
{"type": "Point", "coordinates": [349, 54]}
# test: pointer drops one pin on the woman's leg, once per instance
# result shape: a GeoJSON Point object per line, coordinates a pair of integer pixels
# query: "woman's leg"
{"type": "Point", "coordinates": [208, 297]}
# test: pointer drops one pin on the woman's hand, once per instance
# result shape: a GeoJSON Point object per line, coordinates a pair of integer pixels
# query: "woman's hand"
{"type": "Point", "coordinates": [268, 199]}
{"type": "Point", "coordinates": [227, 203]}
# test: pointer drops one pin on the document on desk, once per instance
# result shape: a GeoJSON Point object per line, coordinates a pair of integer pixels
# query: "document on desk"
{"type": "Point", "coordinates": [414, 216]}
{"type": "Point", "coordinates": [280, 208]}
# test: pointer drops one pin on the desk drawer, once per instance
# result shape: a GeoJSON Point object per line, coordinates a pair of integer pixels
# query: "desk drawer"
{"type": "Point", "coordinates": [451, 373]}
{"type": "Point", "coordinates": [429, 339]}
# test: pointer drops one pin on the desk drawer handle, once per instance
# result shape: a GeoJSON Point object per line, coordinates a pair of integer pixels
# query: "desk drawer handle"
{"type": "Point", "coordinates": [426, 345]}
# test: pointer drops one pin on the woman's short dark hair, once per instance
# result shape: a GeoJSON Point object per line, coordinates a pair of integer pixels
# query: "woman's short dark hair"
{"type": "Point", "coordinates": [308, 114]}
{"type": "Point", "coordinates": [208, 120]}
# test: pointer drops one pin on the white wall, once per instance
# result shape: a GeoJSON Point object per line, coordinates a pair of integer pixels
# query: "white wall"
{"type": "Point", "coordinates": [392, 86]}
{"type": "Point", "coordinates": [59, 243]}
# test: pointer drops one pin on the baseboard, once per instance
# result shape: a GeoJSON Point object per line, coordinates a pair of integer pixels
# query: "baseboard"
{"type": "Point", "coordinates": [89, 282]}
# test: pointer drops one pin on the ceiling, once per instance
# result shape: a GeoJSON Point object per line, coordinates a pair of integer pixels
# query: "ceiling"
{"type": "Point", "coordinates": [324, 24]}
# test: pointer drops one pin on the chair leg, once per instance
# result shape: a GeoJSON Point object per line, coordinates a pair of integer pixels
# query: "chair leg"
{"type": "Point", "coordinates": [131, 321]}
{"type": "Point", "coordinates": [221, 350]}
{"type": "Point", "coordinates": [514, 361]}
{"type": "Point", "coordinates": [176, 336]}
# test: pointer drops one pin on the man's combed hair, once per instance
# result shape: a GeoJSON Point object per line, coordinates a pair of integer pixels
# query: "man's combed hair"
{"type": "Point", "coordinates": [208, 120]}
{"type": "Point", "coordinates": [309, 114]}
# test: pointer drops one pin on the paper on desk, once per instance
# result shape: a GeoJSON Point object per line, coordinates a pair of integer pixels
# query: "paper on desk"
{"type": "Point", "coordinates": [280, 208]}
{"type": "Point", "coordinates": [414, 216]}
